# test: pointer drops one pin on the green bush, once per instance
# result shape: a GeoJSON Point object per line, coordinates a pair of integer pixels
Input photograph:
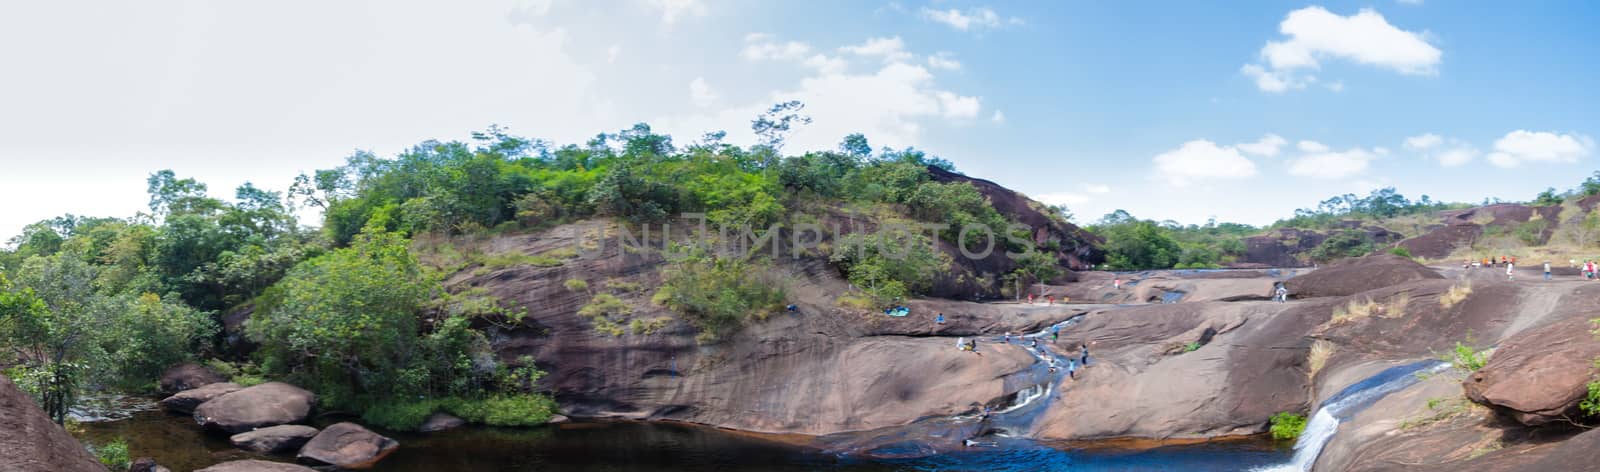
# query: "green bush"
{"type": "Point", "coordinates": [113, 455]}
{"type": "Point", "coordinates": [1347, 243]}
{"type": "Point", "coordinates": [1466, 358]}
{"type": "Point", "coordinates": [1400, 251]}
{"type": "Point", "coordinates": [504, 410]}
{"type": "Point", "coordinates": [718, 294]}
{"type": "Point", "coordinates": [1287, 426]}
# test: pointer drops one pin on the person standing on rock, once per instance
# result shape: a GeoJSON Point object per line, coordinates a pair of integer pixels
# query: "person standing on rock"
{"type": "Point", "coordinates": [1072, 369]}
{"type": "Point", "coordinates": [1085, 354]}
{"type": "Point", "coordinates": [1007, 338]}
{"type": "Point", "coordinates": [1510, 275]}
{"type": "Point", "coordinates": [1116, 283]}
{"type": "Point", "coordinates": [961, 343]}
{"type": "Point", "coordinates": [1282, 294]}
{"type": "Point", "coordinates": [1547, 270]}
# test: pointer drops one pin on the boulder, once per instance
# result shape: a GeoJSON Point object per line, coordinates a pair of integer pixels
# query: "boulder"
{"type": "Point", "coordinates": [268, 404]}
{"type": "Point", "coordinates": [441, 422]}
{"type": "Point", "coordinates": [348, 446]}
{"type": "Point", "coordinates": [280, 438]}
{"type": "Point", "coordinates": [1355, 275]}
{"type": "Point", "coordinates": [30, 441]}
{"type": "Point", "coordinates": [187, 376]}
{"type": "Point", "coordinates": [256, 466]}
{"type": "Point", "coordinates": [1539, 375]}
{"type": "Point", "coordinates": [146, 464]}
{"type": "Point", "coordinates": [558, 419]}
{"type": "Point", "coordinates": [186, 401]}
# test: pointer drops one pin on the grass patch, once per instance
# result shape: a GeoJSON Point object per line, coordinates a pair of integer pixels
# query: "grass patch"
{"type": "Point", "coordinates": [1466, 359]}
{"type": "Point", "coordinates": [113, 455]}
{"type": "Point", "coordinates": [1456, 294]}
{"type": "Point", "coordinates": [500, 410]}
{"type": "Point", "coordinates": [576, 285]}
{"type": "Point", "coordinates": [1357, 309]}
{"type": "Point", "coordinates": [642, 327]}
{"type": "Point", "coordinates": [516, 259]}
{"type": "Point", "coordinates": [601, 309]}
{"type": "Point", "coordinates": [1396, 307]}
{"type": "Point", "coordinates": [1287, 426]}
{"type": "Point", "coordinates": [1441, 409]}
{"type": "Point", "coordinates": [857, 300]}
{"type": "Point", "coordinates": [622, 286]}
{"type": "Point", "coordinates": [1321, 351]}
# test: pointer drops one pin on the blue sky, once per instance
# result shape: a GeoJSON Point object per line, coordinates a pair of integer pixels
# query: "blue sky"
{"type": "Point", "coordinates": [1171, 110]}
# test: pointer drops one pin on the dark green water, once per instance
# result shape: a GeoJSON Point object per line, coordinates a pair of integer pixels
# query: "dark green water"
{"type": "Point", "coordinates": [626, 446]}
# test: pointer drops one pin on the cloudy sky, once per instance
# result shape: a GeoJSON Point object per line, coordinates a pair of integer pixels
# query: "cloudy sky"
{"type": "Point", "coordinates": [1170, 110]}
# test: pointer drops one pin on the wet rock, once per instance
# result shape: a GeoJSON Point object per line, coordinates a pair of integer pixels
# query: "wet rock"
{"type": "Point", "coordinates": [281, 438]}
{"type": "Point", "coordinates": [1540, 375]}
{"type": "Point", "coordinates": [30, 441]}
{"type": "Point", "coordinates": [146, 464]}
{"type": "Point", "coordinates": [187, 376]}
{"type": "Point", "coordinates": [268, 404]}
{"type": "Point", "coordinates": [256, 466]}
{"type": "Point", "coordinates": [348, 446]}
{"type": "Point", "coordinates": [440, 422]}
{"type": "Point", "coordinates": [558, 419]}
{"type": "Point", "coordinates": [1355, 275]}
{"type": "Point", "coordinates": [186, 401]}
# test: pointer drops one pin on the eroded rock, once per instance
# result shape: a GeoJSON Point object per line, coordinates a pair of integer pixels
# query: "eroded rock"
{"type": "Point", "coordinates": [268, 404]}
{"type": "Point", "coordinates": [187, 376]}
{"type": "Point", "coordinates": [349, 446]}
{"type": "Point", "coordinates": [280, 438]}
{"type": "Point", "coordinates": [1356, 275]}
{"type": "Point", "coordinates": [186, 401]}
{"type": "Point", "coordinates": [30, 441]}
{"type": "Point", "coordinates": [1540, 375]}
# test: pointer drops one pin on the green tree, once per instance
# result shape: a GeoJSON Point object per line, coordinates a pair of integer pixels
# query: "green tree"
{"type": "Point", "coordinates": [889, 264]}
{"type": "Point", "coordinates": [1547, 198]}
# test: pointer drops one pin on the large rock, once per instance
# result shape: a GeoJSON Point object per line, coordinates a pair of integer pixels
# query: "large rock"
{"type": "Point", "coordinates": [348, 446]}
{"type": "Point", "coordinates": [186, 401]}
{"type": "Point", "coordinates": [29, 441]}
{"type": "Point", "coordinates": [256, 466]}
{"type": "Point", "coordinates": [146, 464]}
{"type": "Point", "coordinates": [441, 422]}
{"type": "Point", "coordinates": [187, 376]}
{"type": "Point", "coordinates": [280, 438]}
{"type": "Point", "coordinates": [1356, 275]}
{"type": "Point", "coordinates": [268, 404]}
{"type": "Point", "coordinates": [1540, 375]}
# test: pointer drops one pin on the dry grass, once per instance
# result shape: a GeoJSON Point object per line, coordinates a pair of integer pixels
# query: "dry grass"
{"type": "Point", "coordinates": [1357, 309]}
{"type": "Point", "coordinates": [1396, 308]}
{"type": "Point", "coordinates": [1321, 351]}
{"type": "Point", "coordinates": [1456, 294]}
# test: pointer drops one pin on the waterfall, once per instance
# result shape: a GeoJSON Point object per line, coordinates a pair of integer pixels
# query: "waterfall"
{"type": "Point", "coordinates": [1345, 404]}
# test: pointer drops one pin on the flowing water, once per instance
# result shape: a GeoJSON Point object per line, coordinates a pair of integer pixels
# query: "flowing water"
{"type": "Point", "coordinates": [1345, 404]}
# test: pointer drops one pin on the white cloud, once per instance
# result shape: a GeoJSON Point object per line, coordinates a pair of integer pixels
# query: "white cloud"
{"type": "Point", "coordinates": [1449, 152]}
{"type": "Point", "coordinates": [612, 52]}
{"type": "Point", "coordinates": [1266, 146]}
{"type": "Point", "coordinates": [672, 10]}
{"type": "Point", "coordinates": [1326, 164]}
{"type": "Point", "coordinates": [957, 106]}
{"type": "Point", "coordinates": [974, 19]}
{"type": "Point", "coordinates": [1315, 34]}
{"type": "Point", "coordinates": [1311, 146]}
{"type": "Point", "coordinates": [998, 117]}
{"type": "Point", "coordinates": [1097, 188]}
{"type": "Point", "coordinates": [1522, 146]}
{"type": "Point", "coordinates": [1410, 2]}
{"type": "Point", "coordinates": [944, 61]}
{"type": "Point", "coordinates": [1423, 142]}
{"type": "Point", "coordinates": [701, 94]}
{"type": "Point", "coordinates": [1335, 86]}
{"type": "Point", "coordinates": [890, 49]}
{"type": "Point", "coordinates": [762, 47]}
{"type": "Point", "coordinates": [1202, 160]}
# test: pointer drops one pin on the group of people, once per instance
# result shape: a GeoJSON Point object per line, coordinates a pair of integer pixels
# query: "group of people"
{"type": "Point", "coordinates": [1590, 269]}
{"type": "Point", "coordinates": [1051, 299]}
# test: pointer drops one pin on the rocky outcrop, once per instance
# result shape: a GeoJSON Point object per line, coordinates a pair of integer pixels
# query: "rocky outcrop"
{"type": "Point", "coordinates": [1141, 382]}
{"type": "Point", "coordinates": [441, 422]}
{"type": "Point", "coordinates": [186, 401]}
{"type": "Point", "coordinates": [187, 376]}
{"type": "Point", "coordinates": [1356, 275]}
{"type": "Point", "coordinates": [1540, 375]}
{"type": "Point", "coordinates": [348, 446]}
{"type": "Point", "coordinates": [256, 466]}
{"type": "Point", "coordinates": [146, 464]}
{"type": "Point", "coordinates": [268, 404]}
{"type": "Point", "coordinates": [281, 438]}
{"type": "Point", "coordinates": [29, 441]}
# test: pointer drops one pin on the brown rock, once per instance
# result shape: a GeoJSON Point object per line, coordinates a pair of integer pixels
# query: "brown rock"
{"type": "Point", "coordinates": [281, 438]}
{"type": "Point", "coordinates": [187, 376]}
{"type": "Point", "coordinates": [268, 404]}
{"type": "Point", "coordinates": [1356, 275]}
{"type": "Point", "coordinates": [349, 446]}
{"type": "Point", "coordinates": [30, 441]}
{"type": "Point", "coordinates": [256, 466]}
{"type": "Point", "coordinates": [186, 401]}
{"type": "Point", "coordinates": [1540, 375]}
{"type": "Point", "coordinates": [146, 464]}
{"type": "Point", "coordinates": [440, 422]}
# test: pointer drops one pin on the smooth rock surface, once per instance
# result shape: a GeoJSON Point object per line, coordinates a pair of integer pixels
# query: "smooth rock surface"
{"type": "Point", "coordinates": [187, 376]}
{"type": "Point", "coordinates": [1540, 375]}
{"type": "Point", "coordinates": [268, 404]}
{"type": "Point", "coordinates": [349, 446]}
{"type": "Point", "coordinates": [29, 441]}
{"type": "Point", "coordinates": [186, 401]}
{"type": "Point", "coordinates": [280, 438]}
{"type": "Point", "coordinates": [256, 466]}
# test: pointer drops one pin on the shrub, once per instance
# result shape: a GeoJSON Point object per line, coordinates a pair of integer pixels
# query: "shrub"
{"type": "Point", "coordinates": [1355, 310]}
{"type": "Point", "coordinates": [113, 455]}
{"type": "Point", "coordinates": [504, 410]}
{"type": "Point", "coordinates": [1466, 358]}
{"type": "Point", "coordinates": [719, 294]}
{"type": "Point", "coordinates": [576, 285]}
{"type": "Point", "coordinates": [1591, 402]}
{"type": "Point", "coordinates": [1287, 426]}
{"type": "Point", "coordinates": [1191, 347]}
{"type": "Point", "coordinates": [1400, 251]}
{"type": "Point", "coordinates": [1396, 308]}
